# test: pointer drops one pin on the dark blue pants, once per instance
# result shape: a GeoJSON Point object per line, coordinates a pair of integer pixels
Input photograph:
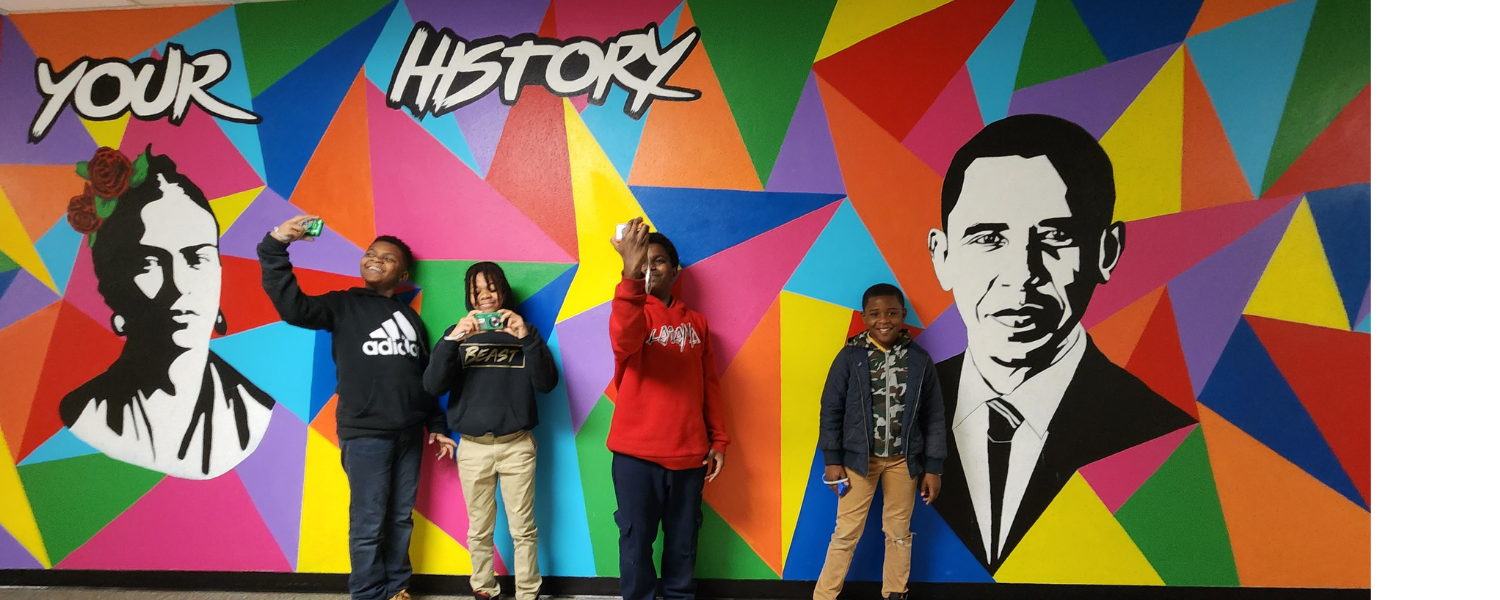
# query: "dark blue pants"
{"type": "Point", "coordinates": [383, 473]}
{"type": "Point", "coordinates": [649, 495]}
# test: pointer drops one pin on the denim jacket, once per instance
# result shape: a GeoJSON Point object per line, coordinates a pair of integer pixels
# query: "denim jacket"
{"type": "Point", "coordinates": [845, 426]}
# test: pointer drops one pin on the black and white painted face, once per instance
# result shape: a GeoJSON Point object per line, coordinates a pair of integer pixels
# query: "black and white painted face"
{"type": "Point", "coordinates": [1013, 258]}
{"type": "Point", "coordinates": [179, 271]}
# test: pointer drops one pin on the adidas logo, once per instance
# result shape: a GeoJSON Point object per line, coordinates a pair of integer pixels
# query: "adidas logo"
{"type": "Point", "coordinates": [396, 337]}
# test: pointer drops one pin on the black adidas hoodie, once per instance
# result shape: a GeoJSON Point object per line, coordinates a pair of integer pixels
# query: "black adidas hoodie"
{"type": "Point", "coordinates": [493, 378]}
{"type": "Point", "coordinates": [379, 349]}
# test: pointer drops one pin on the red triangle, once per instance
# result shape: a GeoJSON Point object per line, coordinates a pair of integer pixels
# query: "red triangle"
{"type": "Point", "coordinates": [80, 350]}
{"type": "Point", "coordinates": [1118, 335]}
{"type": "Point", "coordinates": [894, 75]}
{"type": "Point", "coordinates": [1329, 370]}
{"type": "Point", "coordinates": [1339, 156]}
{"type": "Point", "coordinates": [531, 166]}
{"type": "Point", "coordinates": [548, 28]}
{"type": "Point", "coordinates": [23, 346]}
{"type": "Point", "coordinates": [1158, 360]}
{"type": "Point", "coordinates": [335, 185]}
{"type": "Point", "coordinates": [1210, 174]}
{"type": "Point", "coordinates": [244, 302]}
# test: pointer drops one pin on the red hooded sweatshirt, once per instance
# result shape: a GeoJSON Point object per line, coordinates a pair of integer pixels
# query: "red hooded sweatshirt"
{"type": "Point", "coordinates": [667, 405]}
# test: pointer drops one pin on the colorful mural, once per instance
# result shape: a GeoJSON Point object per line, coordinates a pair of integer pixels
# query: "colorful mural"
{"type": "Point", "coordinates": [796, 152]}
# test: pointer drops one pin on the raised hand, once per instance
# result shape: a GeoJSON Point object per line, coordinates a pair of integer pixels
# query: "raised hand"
{"type": "Point", "coordinates": [293, 229]}
{"type": "Point", "coordinates": [467, 326]}
{"type": "Point", "coordinates": [632, 247]}
{"type": "Point", "coordinates": [514, 324]}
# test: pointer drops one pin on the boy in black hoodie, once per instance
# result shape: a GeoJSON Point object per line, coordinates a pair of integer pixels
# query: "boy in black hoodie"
{"type": "Point", "coordinates": [493, 376]}
{"type": "Point", "coordinates": [380, 352]}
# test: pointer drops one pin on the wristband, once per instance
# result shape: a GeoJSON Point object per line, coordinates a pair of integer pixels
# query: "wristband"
{"type": "Point", "coordinates": [827, 482]}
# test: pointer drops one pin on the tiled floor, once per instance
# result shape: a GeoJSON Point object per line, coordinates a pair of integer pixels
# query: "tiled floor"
{"type": "Point", "coordinates": [105, 594]}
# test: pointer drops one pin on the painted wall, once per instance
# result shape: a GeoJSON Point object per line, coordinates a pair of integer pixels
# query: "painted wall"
{"type": "Point", "coordinates": [808, 168]}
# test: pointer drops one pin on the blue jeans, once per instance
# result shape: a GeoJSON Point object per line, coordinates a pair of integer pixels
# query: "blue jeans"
{"type": "Point", "coordinates": [383, 473]}
{"type": "Point", "coordinates": [650, 495]}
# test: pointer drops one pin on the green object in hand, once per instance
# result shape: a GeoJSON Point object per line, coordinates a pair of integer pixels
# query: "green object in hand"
{"type": "Point", "coordinates": [313, 227]}
{"type": "Point", "coordinates": [490, 321]}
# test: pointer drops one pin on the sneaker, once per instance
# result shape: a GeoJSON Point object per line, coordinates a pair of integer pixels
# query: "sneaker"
{"type": "Point", "coordinates": [401, 595]}
{"type": "Point", "coordinates": [900, 596]}
{"type": "Point", "coordinates": [482, 596]}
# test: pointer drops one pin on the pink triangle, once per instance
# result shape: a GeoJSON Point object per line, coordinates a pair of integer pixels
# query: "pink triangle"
{"type": "Point", "coordinates": [951, 120]}
{"type": "Point", "coordinates": [432, 200]}
{"type": "Point", "coordinates": [185, 525]}
{"type": "Point", "coordinates": [1117, 476]}
{"type": "Point", "coordinates": [735, 287]}
{"type": "Point", "coordinates": [200, 149]}
{"type": "Point", "coordinates": [440, 497]}
{"type": "Point", "coordinates": [83, 288]}
{"type": "Point", "coordinates": [1160, 248]}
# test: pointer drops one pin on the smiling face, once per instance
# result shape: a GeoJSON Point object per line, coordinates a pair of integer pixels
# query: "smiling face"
{"type": "Point", "coordinates": [1019, 262]}
{"type": "Point", "coordinates": [383, 266]}
{"type": "Point", "coordinates": [883, 316]}
{"type": "Point", "coordinates": [659, 263]}
{"type": "Point", "coordinates": [486, 296]}
{"type": "Point", "coordinates": [179, 270]}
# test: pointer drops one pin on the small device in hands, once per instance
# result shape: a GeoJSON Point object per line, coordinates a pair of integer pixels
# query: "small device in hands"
{"type": "Point", "coordinates": [313, 227]}
{"type": "Point", "coordinates": [843, 485]}
{"type": "Point", "coordinates": [620, 232]}
{"type": "Point", "coordinates": [490, 321]}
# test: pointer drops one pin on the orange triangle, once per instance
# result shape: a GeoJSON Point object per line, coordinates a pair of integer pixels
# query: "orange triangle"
{"type": "Point", "coordinates": [326, 422]}
{"type": "Point", "coordinates": [1117, 335]}
{"type": "Point", "coordinates": [40, 193]}
{"type": "Point", "coordinates": [1158, 361]}
{"type": "Point", "coordinates": [896, 195]}
{"type": "Point", "coordinates": [748, 492]}
{"type": "Point", "coordinates": [694, 144]}
{"type": "Point", "coordinates": [63, 37]}
{"type": "Point", "coordinates": [1210, 174]}
{"type": "Point", "coordinates": [23, 346]}
{"type": "Point", "coordinates": [1287, 528]}
{"type": "Point", "coordinates": [1218, 12]}
{"type": "Point", "coordinates": [336, 183]}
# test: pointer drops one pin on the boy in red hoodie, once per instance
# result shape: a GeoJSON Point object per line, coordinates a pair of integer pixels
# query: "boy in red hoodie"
{"type": "Point", "coordinates": [668, 434]}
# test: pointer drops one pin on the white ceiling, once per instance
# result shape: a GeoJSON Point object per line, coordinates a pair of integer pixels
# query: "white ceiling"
{"type": "Point", "coordinates": [22, 6]}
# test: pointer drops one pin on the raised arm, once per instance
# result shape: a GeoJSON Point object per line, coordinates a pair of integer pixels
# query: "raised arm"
{"type": "Point", "coordinates": [627, 316]}
{"type": "Point", "coordinates": [280, 283]}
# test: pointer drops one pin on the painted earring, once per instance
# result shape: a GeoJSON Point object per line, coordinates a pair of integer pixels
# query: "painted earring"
{"type": "Point", "coordinates": [220, 327]}
{"type": "Point", "coordinates": [117, 323]}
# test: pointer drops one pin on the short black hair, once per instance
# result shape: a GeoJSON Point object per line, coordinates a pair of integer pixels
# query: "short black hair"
{"type": "Point", "coordinates": [496, 278]}
{"type": "Point", "coordinates": [406, 255]}
{"type": "Point", "coordinates": [1080, 161]}
{"type": "Point", "coordinates": [656, 237]}
{"type": "Point", "coordinates": [883, 289]}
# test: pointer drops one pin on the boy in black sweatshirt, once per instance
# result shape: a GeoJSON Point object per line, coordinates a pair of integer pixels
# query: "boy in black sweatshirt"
{"type": "Point", "coordinates": [380, 352]}
{"type": "Point", "coordinates": [493, 376]}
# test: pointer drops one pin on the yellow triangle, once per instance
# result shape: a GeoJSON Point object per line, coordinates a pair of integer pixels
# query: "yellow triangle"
{"type": "Point", "coordinates": [17, 245]}
{"type": "Point", "coordinates": [1145, 145]}
{"type": "Point", "coordinates": [15, 508]}
{"type": "Point", "coordinates": [107, 133]}
{"type": "Point", "coordinates": [1298, 285]}
{"type": "Point", "coordinates": [323, 543]}
{"type": "Point", "coordinates": [229, 208]}
{"type": "Point", "coordinates": [601, 200]}
{"type": "Point", "coordinates": [1077, 540]}
{"type": "Point", "coordinates": [434, 552]}
{"type": "Point", "coordinates": [855, 20]}
{"type": "Point", "coordinates": [812, 331]}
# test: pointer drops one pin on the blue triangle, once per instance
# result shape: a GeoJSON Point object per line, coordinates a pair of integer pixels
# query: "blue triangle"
{"type": "Point", "coordinates": [1364, 326]}
{"type": "Point", "coordinates": [541, 308]}
{"type": "Point", "coordinates": [1343, 219]}
{"type": "Point", "coordinates": [58, 249]}
{"type": "Point", "coordinates": [381, 62]}
{"type": "Point", "coordinates": [702, 223]}
{"type": "Point", "coordinates": [617, 133]}
{"type": "Point", "coordinates": [842, 264]}
{"type": "Point", "coordinates": [1247, 67]}
{"type": "Point", "coordinates": [63, 444]}
{"type": "Point", "coordinates": [5, 279]}
{"type": "Point", "coordinates": [325, 379]}
{"type": "Point", "coordinates": [992, 67]}
{"type": "Point", "coordinates": [296, 110]}
{"type": "Point", "coordinates": [1247, 390]}
{"type": "Point", "coordinates": [278, 358]}
{"type": "Point", "coordinates": [222, 32]}
{"type": "Point", "coordinates": [1125, 29]}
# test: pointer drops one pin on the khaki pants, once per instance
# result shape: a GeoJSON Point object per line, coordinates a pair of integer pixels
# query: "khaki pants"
{"type": "Point", "coordinates": [900, 498]}
{"type": "Point", "coordinates": [512, 460]}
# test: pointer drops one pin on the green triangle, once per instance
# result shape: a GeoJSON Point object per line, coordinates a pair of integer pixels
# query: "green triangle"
{"type": "Point", "coordinates": [594, 469]}
{"type": "Point", "coordinates": [723, 554]}
{"type": "Point", "coordinates": [1058, 45]}
{"type": "Point", "coordinates": [74, 498]}
{"type": "Point", "coordinates": [442, 283]}
{"type": "Point", "coordinates": [1335, 67]}
{"type": "Point", "coordinates": [6, 264]}
{"type": "Point", "coordinates": [762, 53]}
{"type": "Point", "coordinates": [1175, 519]}
{"type": "Point", "coordinates": [278, 36]}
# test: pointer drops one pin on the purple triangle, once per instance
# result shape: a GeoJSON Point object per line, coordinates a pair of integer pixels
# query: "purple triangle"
{"type": "Point", "coordinates": [481, 124]}
{"type": "Point", "coordinates": [807, 162]}
{"type": "Point", "coordinates": [273, 477]}
{"type": "Point", "coordinates": [1364, 307]}
{"type": "Point", "coordinates": [331, 253]}
{"type": "Point", "coordinates": [474, 20]}
{"type": "Point", "coordinates": [67, 143]}
{"type": "Point", "coordinates": [946, 337]}
{"type": "Point", "coordinates": [588, 362]}
{"type": "Point", "coordinates": [1208, 298]}
{"type": "Point", "coordinates": [25, 295]}
{"type": "Point", "coordinates": [1096, 97]}
{"type": "Point", "coordinates": [13, 555]}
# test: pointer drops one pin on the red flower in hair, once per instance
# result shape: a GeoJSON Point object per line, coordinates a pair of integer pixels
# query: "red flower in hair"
{"type": "Point", "coordinates": [82, 215]}
{"type": "Point", "coordinates": [109, 172]}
